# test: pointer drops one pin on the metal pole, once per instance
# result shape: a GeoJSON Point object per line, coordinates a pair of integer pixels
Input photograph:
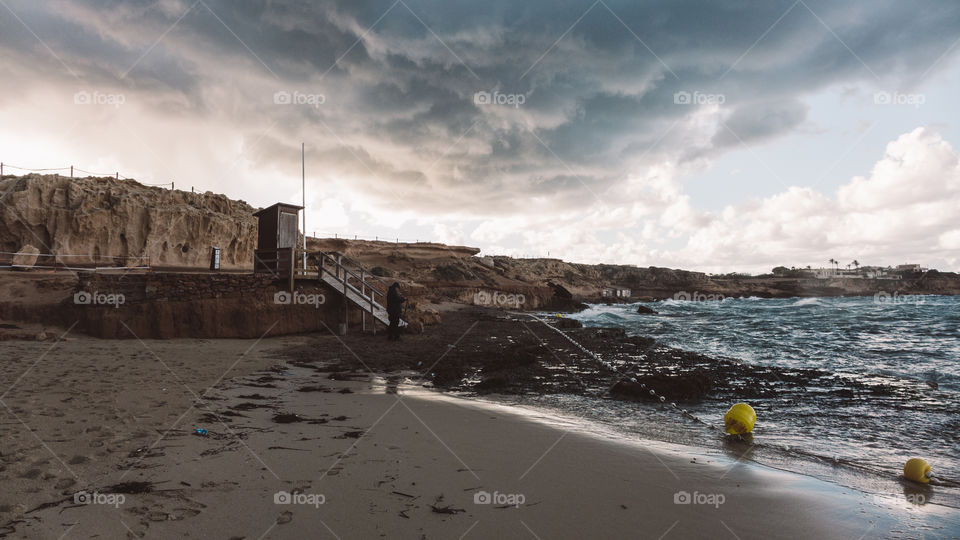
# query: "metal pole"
{"type": "Point", "coordinates": [303, 190]}
{"type": "Point", "coordinates": [71, 171]}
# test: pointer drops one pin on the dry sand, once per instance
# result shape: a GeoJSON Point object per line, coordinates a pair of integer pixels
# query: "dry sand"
{"type": "Point", "coordinates": [73, 409]}
{"type": "Point", "coordinates": [105, 416]}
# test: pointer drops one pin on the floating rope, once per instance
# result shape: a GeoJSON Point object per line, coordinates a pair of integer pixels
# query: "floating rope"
{"type": "Point", "coordinates": [683, 412]}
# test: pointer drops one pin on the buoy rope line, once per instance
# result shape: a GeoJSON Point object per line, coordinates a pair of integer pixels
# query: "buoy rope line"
{"type": "Point", "coordinates": [683, 412]}
{"type": "Point", "coordinates": [915, 469]}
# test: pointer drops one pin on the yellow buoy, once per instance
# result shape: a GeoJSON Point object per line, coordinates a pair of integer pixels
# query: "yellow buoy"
{"type": "Point", "coordinates": [739, 419]}
{"type": "Point", "coordinates": [917, 470]}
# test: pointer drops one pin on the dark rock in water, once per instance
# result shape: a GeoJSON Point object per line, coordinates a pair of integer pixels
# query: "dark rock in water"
{"type": "Point", "coordinates": [492, 383]}
{"type": "Point", "coordinates": [447, 375]}
{"type": "Point", "coordinates": [567, 323]}
{"type": "Point", "coordinates": [644, 310]}
{"type": "Point", "coordinates": [691, 386]}
{"type": "Point", "coordinates": [516, 356]}
{"type": "Point", "coordinates": [603, 333]}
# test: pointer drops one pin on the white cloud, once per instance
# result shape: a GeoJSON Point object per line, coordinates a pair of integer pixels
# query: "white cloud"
{"type": "Point", "coordinates": [905, 210]}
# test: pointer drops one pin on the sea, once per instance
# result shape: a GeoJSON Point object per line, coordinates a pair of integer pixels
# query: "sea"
{"type": "Point", "coordinates": [904, 349]}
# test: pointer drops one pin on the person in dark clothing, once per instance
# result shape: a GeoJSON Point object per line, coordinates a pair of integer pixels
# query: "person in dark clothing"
{"type": "Point", "coordinates": [394, 310]}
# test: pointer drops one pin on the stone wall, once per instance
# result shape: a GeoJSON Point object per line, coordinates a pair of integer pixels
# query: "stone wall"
{"type": "Point", "coordinates": [173, 305]}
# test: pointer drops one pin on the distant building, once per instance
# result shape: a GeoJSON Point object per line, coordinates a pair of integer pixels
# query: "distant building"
{"type": "Point", "coordinates": [909, 268]}
{"type": "Point", "coordinates": [615, 292]}
{"type": "Point", "coordinates": [831, 273]}
{"type": "Point", "coordinates": [875, 272]}
{"type": "Point", "coordinates": [824, 273]}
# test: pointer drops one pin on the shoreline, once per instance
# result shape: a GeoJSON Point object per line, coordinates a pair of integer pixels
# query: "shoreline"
{"type": "Point", "coordinates": [880, 485]}
{"type": "Point", "coordinates": [248, 452]}
{"type": "Point", "coordinates": [395, 464]}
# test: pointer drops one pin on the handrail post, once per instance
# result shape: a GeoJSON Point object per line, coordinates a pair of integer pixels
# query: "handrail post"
{"type": "Point", "coordinates": [346, 301]}
{"type": "Point", "coordinates": [363, 292]}
{"type": "Point", "coordinates": [373, 319]}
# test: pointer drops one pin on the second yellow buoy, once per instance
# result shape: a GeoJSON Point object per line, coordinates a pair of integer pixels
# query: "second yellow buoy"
{"type": "Point", "coordinates": [917, 470]}
{"type": "Point", "coordinates": [740, 419]}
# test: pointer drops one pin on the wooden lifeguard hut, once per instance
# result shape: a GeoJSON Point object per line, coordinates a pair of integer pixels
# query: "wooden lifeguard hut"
{"type": "Point", "coordinates": [277, 235]}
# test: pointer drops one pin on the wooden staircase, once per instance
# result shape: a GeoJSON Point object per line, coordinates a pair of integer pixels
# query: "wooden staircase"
{"type": "Point", "coordinates": [353, 281]}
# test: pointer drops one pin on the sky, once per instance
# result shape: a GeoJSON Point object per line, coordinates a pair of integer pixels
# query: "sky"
{"type": "Point", "coordinates": [712, 136]}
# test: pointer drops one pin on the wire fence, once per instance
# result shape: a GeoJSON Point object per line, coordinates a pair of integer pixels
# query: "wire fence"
{"type": "Point", "coordinates": [73, 173]}
{"type": "Point", "coordinates": [393, 239]}
{"type": "Point", "coordinates": [57, 261]}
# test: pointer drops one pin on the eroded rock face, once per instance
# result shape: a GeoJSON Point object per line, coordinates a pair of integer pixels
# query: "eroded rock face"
{"type": "Point", "coordinates": [93, 220]}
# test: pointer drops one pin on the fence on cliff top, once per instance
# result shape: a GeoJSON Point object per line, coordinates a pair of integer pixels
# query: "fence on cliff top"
{"type": "Point", "coordinates": [72, 169]}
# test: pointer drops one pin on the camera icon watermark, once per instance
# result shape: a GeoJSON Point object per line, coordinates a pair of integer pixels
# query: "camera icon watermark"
{"type": "Point", "coordinates": [297, 298]}
{"type": "Point", "coordinates": [684, 97]}
{"type": "Point", "coordinates": [283, 97]}
{"type": "Point", "coordinates": [496, 98]}
{"type": "Point", "coordinates": [499, 299]}
{"type": "Point", "coordinates": [110, 499]}
{"type": "Point", "coordinates": [96, 298]}
{"type": "Point", "coordinates": [898, 98]}
{"type": "Point", "coordinates": [499, 499]}
{"type": "Point", "coordinates": [710, 499]}
{"type": "Point", "coordinates": [296, 497]}
{"type": "Point", "coordinates": [83, 97]}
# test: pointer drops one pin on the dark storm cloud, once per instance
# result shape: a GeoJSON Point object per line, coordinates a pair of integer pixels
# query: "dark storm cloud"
{"type": "Point", "coordinates": [400, 78]}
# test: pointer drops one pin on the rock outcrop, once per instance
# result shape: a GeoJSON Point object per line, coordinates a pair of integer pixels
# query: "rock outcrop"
{"type": "Point", "coordinates": [110, 222]}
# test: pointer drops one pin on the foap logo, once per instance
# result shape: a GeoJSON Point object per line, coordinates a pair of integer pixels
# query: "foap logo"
{"type": "Point", "coordinates": [897, 98]}
{"type": "Point", "coordinates": [695, 296]}
{"type": "Point", "coordinates": [84, 97]}
{"type": "Point", "coordinates": [883, 297]}
{"type": "Point", "coordinates": [282, 97]}
{"type": "Point", "coordinates": [499, 499]}
{"type": "Point", "coordinates": [96, 298]}
{"type": "Point", "coordinates": [918, 499]}
{"type": "Point", "coordinates": [698, 98]}
{"type": "Point", "coordinates": [110, 499]}
{"type": "Point", "coordinates": [307, 499]}
{"type": "Point", "coordinates": [498, 299]}
{"type": "Point", "coordinates": [711, 499]}
{"type": "Point", "coordinates": [496, 98]}
{"type": "Point", "coordinates": [297, 298]}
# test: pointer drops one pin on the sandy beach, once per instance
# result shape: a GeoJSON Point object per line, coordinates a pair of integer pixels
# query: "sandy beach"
{"type": "Point", "coordinates": [293, 451]}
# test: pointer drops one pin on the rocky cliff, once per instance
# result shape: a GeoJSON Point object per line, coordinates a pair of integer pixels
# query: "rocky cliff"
{"type": "Point", "coordinates": [109, 222]}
